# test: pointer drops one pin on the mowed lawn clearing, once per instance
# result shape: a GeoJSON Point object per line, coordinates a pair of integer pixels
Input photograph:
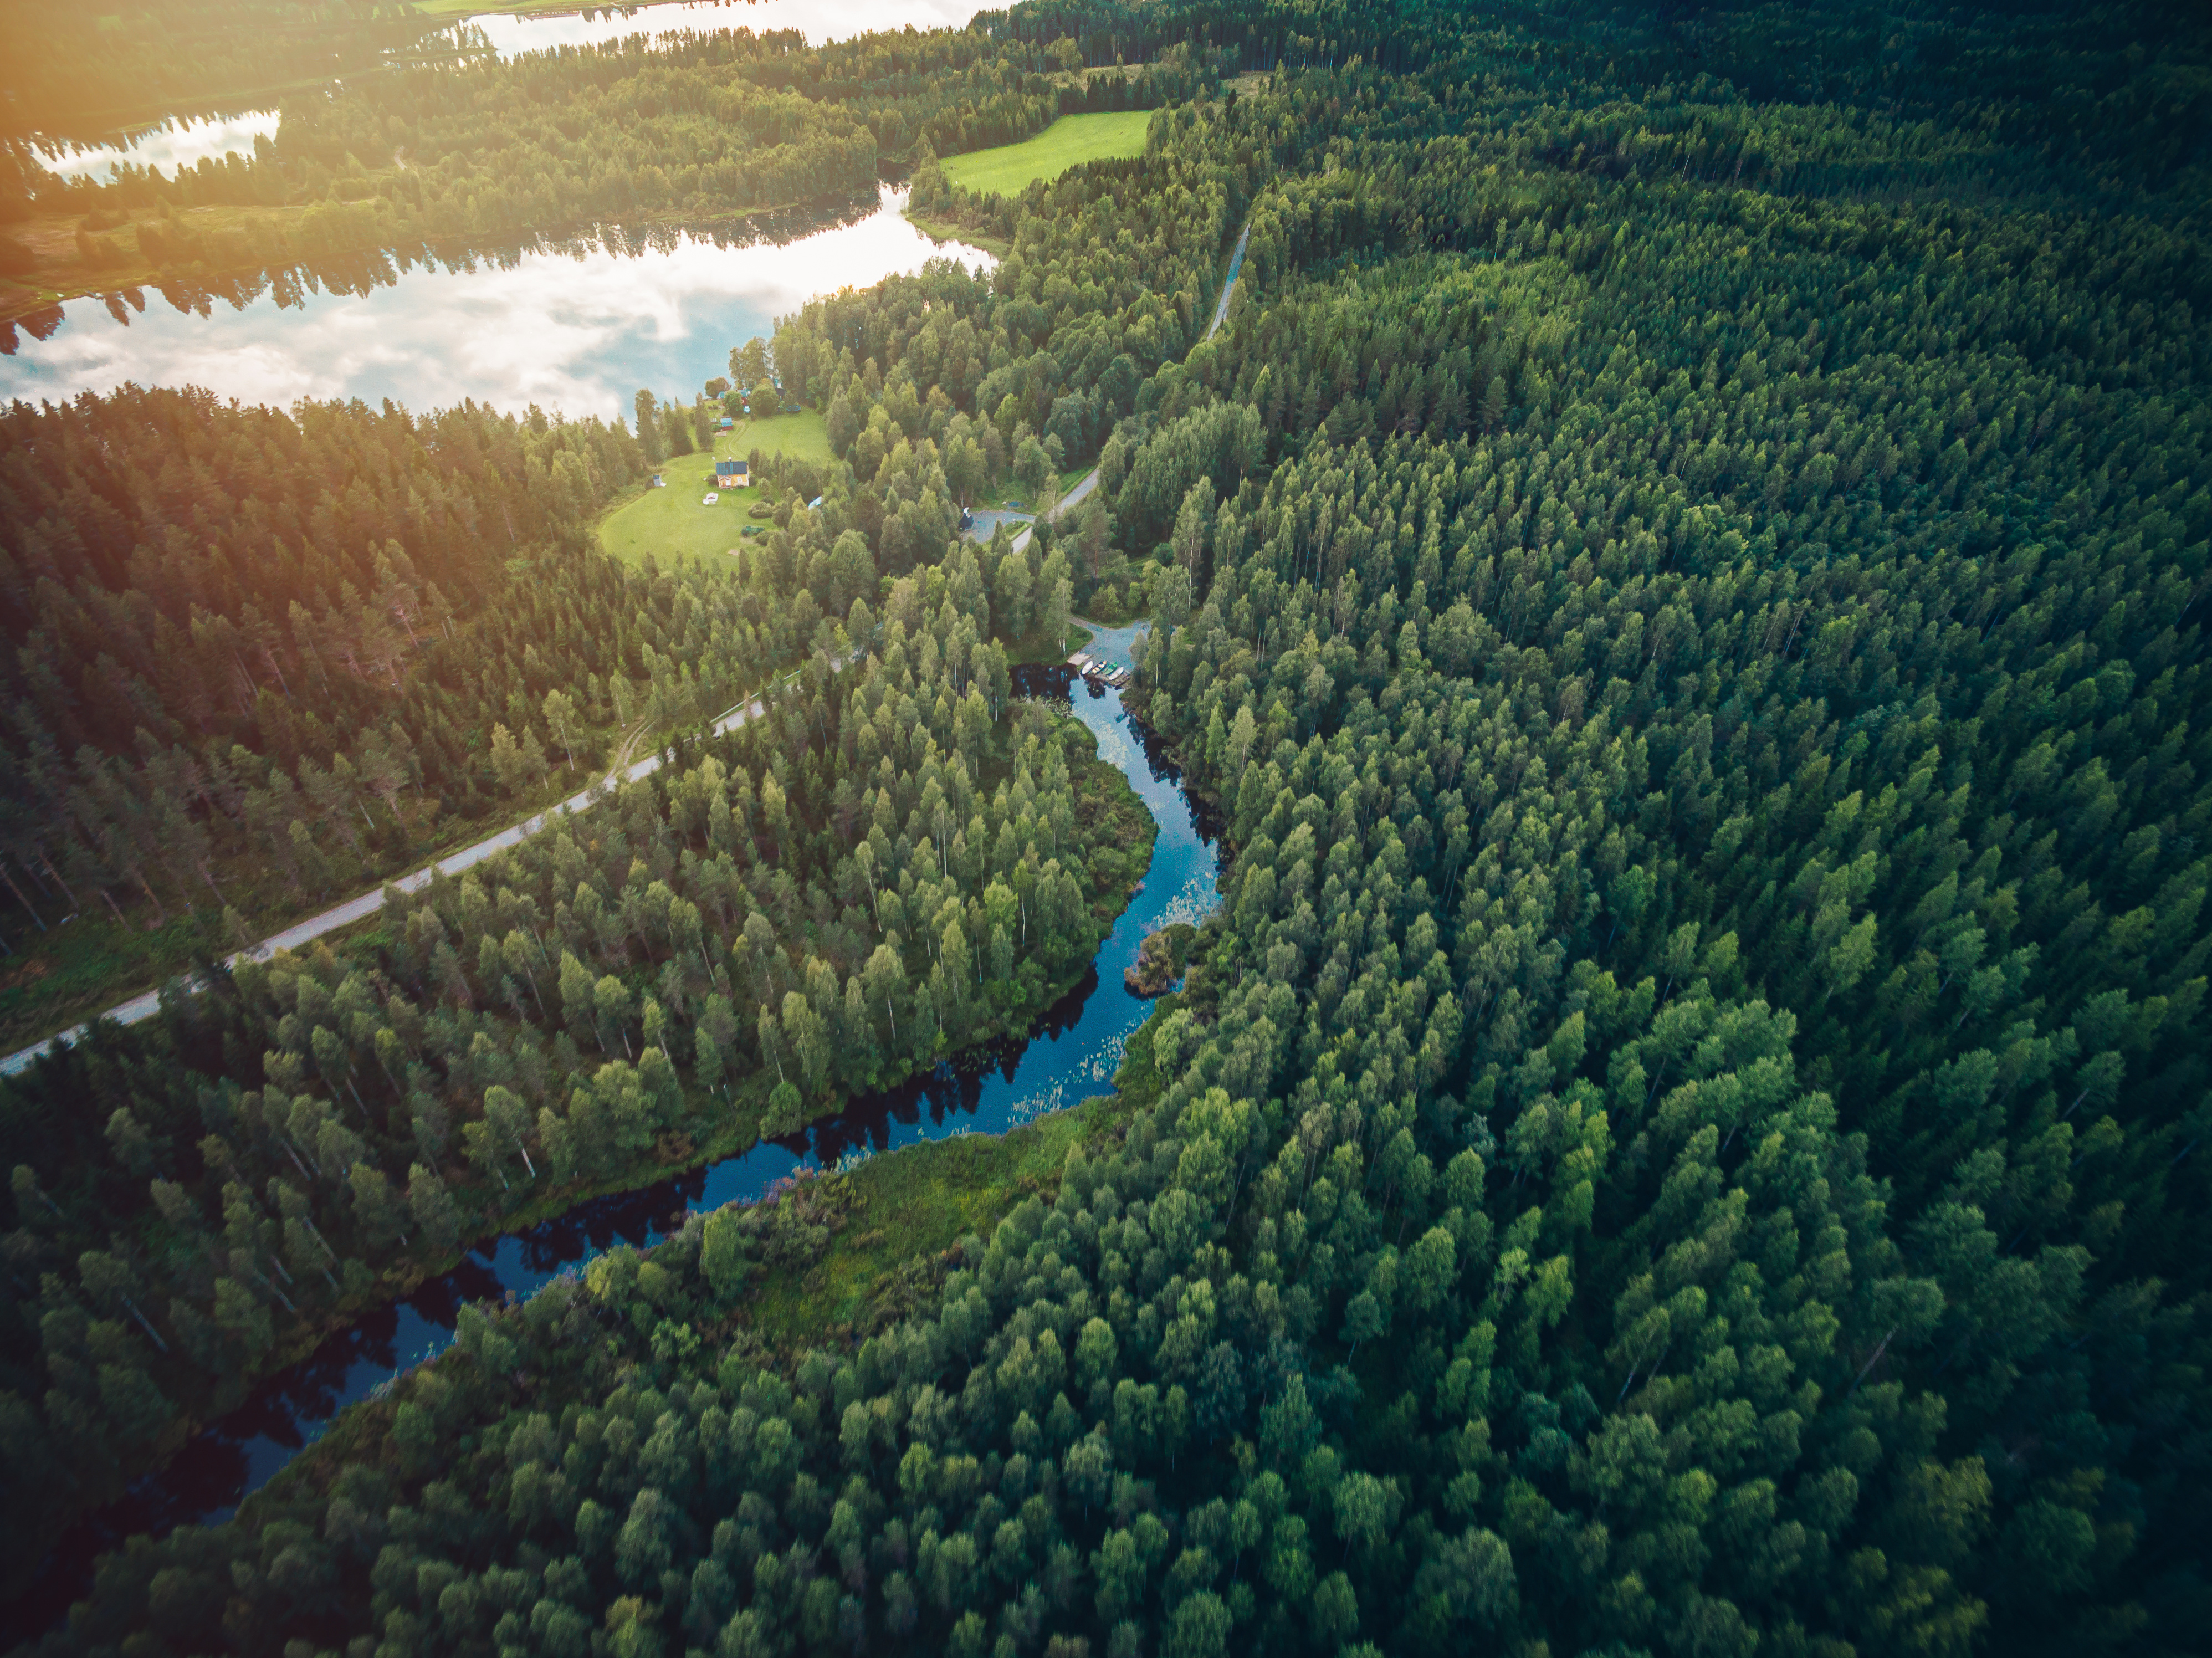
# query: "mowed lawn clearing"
{"type": "Point", "coordinates": [1069, 142]}
{"type": "Point", "coordinates": [671, 522]}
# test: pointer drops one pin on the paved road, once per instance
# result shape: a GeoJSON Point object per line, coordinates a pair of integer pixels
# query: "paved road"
{"type": "Point", "coordinates": [1088, 481]}
{"type": "Point", "coordinates": [1236, 270]}
{"type": "Point", "coordinates": [1112, 646]}
{"type": "Point", "coordinates": [360, 909]}
{"type": "Point", "coordinates": [1081, 488]}
{"type": "Point", "coordinates": [989, 519]}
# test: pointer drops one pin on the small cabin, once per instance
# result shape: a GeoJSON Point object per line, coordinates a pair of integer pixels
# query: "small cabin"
{"type": "Point", "coordinates": [733, 474]}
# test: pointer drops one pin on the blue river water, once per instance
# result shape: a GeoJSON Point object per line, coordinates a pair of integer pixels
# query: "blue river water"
{"type": "Point", "coordinates": [1070, 1056]}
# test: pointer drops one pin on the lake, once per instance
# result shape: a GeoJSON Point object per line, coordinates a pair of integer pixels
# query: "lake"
{"type": "Point", "coordinates": [181, 143]}
{"type": "Point", "coordinates": [576, 331]}
{"type": "Point", "coordinates": [820, 20]}
{"type": "Point", "coordinates": [1072, 1056]}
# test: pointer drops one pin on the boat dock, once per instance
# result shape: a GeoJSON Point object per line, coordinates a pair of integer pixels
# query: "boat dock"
{"type": "Point", "coordinates": [1091, 668]}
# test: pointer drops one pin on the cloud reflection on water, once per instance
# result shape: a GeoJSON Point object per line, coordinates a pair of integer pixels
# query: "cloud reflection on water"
{"type": "Point", "coordinates": [180, 143]}
{"type": "Point", "coordinates": [510, 34]}
{"type": "Point", "coordinates": [576, 334]}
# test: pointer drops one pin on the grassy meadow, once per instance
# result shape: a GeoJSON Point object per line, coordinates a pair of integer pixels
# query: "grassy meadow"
{"type": "Point", "coordinates": [671, 522]}
{"type": "Point", "coordinates": [913, 1204]}
{"type": "Point", "coordinates": [1069, 142]}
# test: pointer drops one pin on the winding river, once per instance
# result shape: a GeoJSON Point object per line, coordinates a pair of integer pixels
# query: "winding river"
{"type": "Point", "coordinates": [1072, 1056]}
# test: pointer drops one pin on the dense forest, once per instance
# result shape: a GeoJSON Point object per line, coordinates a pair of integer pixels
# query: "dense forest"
{"type": "Point", "coordinates": [258, 657]}
{"type": "Point", "coordinates": [1683, 578]}
{"type": "Point", "coordinates": [894, 860]}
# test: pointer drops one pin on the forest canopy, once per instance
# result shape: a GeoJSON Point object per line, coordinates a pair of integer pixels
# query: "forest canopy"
{"type": "Point", "coordinates": [1683, 576]}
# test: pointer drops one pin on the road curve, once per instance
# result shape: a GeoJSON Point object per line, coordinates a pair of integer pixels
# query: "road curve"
{"type": "Point", "coordinates": [1088, 481]}
{"type": "Point", "coordinates": [368, 904]}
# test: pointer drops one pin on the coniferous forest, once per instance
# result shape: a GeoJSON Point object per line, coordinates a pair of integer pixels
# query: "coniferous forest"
{"type": "Point", "coordinates": [1681, 577]}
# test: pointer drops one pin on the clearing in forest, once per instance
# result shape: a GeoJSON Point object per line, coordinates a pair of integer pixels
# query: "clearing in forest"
{"type": "Point", "coordinates": [1069, 142]}
{"type": "Point", "coordinates": [670, 522]}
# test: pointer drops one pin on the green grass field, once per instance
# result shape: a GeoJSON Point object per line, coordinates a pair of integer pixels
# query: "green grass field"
{"type": "Point", "coordinates": [917, 1201]}
{"type": "Point", "coordinates": [1069, 142]}
{"type": "Point", "coordinates": [671, 522]}
{"type": "Point", "coordinates": [912, 1204]}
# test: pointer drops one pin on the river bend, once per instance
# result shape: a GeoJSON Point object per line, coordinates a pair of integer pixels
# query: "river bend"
{"type": "Point", "coordinates": [1072, 1055]}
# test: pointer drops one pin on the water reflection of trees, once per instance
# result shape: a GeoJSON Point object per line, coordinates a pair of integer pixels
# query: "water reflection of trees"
{"type": "Point", "coordinates": [211, 1474]}
{"type": "Point", "coordinates": [362, 272]}
{"type": "Point", "coordinates": [954, 1089]}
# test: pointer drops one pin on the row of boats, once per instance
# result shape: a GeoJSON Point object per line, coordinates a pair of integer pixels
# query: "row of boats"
{"type": "Point", "coordinates": [1091, 668]}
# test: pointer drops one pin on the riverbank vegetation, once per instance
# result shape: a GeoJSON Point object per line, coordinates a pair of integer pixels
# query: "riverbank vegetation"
{"type": "Point", "coordinates": [944, 231]}
{"type": "Point", "coordinates": [902, 1225]}
{"type": "Point", "coordinates": [1686, 1133]}
{"type": "Point", "coordinates": [691, 964]}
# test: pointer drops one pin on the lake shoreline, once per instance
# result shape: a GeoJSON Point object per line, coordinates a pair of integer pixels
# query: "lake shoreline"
{"type": "Point", "coordinates": [609, 308]}
{"type": "Point", "coordinates": [74, 279]}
